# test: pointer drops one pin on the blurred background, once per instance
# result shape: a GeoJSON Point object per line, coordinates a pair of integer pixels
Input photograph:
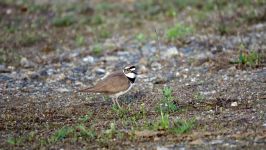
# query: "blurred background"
{"type": "Point", "coordinates": [201, 81]}
{"type": "Point", "coordinates": [45, 27]}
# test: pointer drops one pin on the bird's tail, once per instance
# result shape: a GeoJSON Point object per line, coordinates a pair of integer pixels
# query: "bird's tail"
{"type": "Point", "coordinates": [86, 90]}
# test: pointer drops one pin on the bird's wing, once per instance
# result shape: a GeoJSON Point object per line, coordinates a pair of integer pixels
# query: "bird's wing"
{"type": "Point", "coordinates": [113, 83]}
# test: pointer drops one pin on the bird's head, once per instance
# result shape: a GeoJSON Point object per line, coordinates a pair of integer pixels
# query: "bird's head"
{"type": "Point", "coordinates": [130, 71]}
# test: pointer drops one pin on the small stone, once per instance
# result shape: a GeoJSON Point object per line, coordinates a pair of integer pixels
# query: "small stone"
{"type": "Point", "coordinates": [82, 70]}
{"type": "Point", "coordinates": [148, 50]}
{"type": "Point", "coordinates": [78, 83]}
{"type": "Point", "coordinates": [100, 71]}
{"type": "Point", "coordinates": [160, 80]}
{"type": "Point", "coordinates": [62, 90]}
{"type": "Point", "coordinates": [156, 138]}
{"type": "Point", "coordinates": [72, 55]}
{"type": "Point", "coordinates": [197, 142]}
{"type": "Point", "coordinates": [2, 66]}
{"type": "Point", "coordinates": [193, 79]}
{"type": "Point", "coordinates": [161, 148]}
{"type": "Point", "coordinates": [177, 74]}
{"type": "Point", "coordinates": [34, 76]}
{"type": "Point", "coordinates": [147, 133]}
{"type": "Point", "coordinates": [56, 77]}
{"type": "Point", "coordinates": [234, 104]}
{"type": "Point", "coordinates": [3, 69]}
{"type": "Point", "coordinates": [170, 52]}
{"type": "Point", "coordinates": [5, 78]}
{"type": "Point", "coordinates": [111, 58]}
{"type": "Point", "coordinates": [88, 59]}
{"type": "Point", "coordinates": [24, 62]}
{"type": "Point", "coordinates": [50, 71]}
{"type": "Point", "coordinates": [216, 142]}
{"type": "Point", "coordinates": [8, 11]}
{"type": "Point", "coordinates": [68, 81]}
{"type": "Point", "coordinates": [143, 69]}
{"type": "Point", "coordinates": [143, 61]}
{"type": "Point", "coordinates": [156, 66]}
{"type": "Point", "coordinates": [43, 72]}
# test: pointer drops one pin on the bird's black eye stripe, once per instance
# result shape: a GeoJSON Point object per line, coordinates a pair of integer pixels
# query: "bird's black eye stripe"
{"type": "Point", "coordinates": [132, 67]}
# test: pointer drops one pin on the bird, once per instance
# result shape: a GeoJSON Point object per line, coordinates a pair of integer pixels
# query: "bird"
{"type": "Point", "coordinates": [115, 84]}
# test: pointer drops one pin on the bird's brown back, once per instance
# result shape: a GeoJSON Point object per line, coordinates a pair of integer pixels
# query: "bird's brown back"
{"type": "Point", "coordinates": [114, 83]}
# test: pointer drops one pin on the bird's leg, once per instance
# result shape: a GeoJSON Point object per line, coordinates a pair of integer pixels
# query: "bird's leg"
{"type": "Point", "coordinates": [117, 103]}
{"type": "Point", "coordinates": [113, 99]}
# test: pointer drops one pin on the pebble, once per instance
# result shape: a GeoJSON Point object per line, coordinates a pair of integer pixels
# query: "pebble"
{"type": "Point", "coordinates": [197, 142]}
{"type": "Point", "coordinates": [5, 78]}
{"type": "Point", "coordinates": [24, 62]}
{"type": "Point", "coordinates": [234, 104]}
{"type": "Point", "coordinates": [2, 66]}
{"type": "Point", "coordinates": [50, 71]}
{"type": "Point", "coordinates": [88, 59]}
{"type": "Point", "coordinates": [216, 142]}
{"type": "Point", "coordinates": [148, 50]}
{"type": "Point", "coordinates": [82, 70]}
{"type": "Point", "coordinates": [161, 148]}
{"type": "Point", "coordinates": [110, 58]}
{"type": "Point", "coordinates": [43, 72]}
{"type": "Point", "coordinates": [143, 69]}
{"type": "Point", "coordinates": [3, 69]}
{"type": "Point", "coordinates": [62, 90]}
{"type": "Point", "coordinates": [177, 74]}
{"type": "Point", "coordinates": [56, 77]}
{"type": "Point", "coordinates": [100, 71]}
{"type": "Point", "coordinates": [170, 52]}
{"type": "Point", "coordinates": [34, 76]}
{"type": "Point", "coordinates": [160, 79]}
{"type": "Point", "coordinates": [156, 66]}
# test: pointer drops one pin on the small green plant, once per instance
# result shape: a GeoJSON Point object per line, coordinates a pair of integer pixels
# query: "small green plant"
{"type": "Point", "coordinates": [31, 136]}
{"type": "Point", "coordinates": [21, 139]}
{"type": "Point", "coordinates": [143, 111]}
{"type": "Point", "coordinates": [140, 37]}
{"type": "Point", "coordinates": [17, 140]}
{"type": "Point", "coordinates": [97, 20]}
{"type": "Point", "coordinates": [103, 32]}
{"type": "Point", "coordinates": [3, 56]}
{"type": "Point", "coordinates": [73, 132]}
{"type": "Point", "coordinates": [105, 6]}
{"type": "Point", "coordinates": [171, 12]}
{"type": "Point", "coordinates": [86, 117]}
{"type": "Point", "coordinates": [61, 134]}
{"type": "Point", "coordinates": [82, 131]}
{"type": "Point", "coordinates": [178, 31]}
{"type": "Point", "coordinates": [29, 38]}
{"type": "Point", "coordinates": [80, 40]}
{"type": "Point", "coordinates": [164, 122]}
{"type": "Point", "coordinates": [251, 58]}
{"type": "Point", "coordinates": [182, 126]}
{"type": "Point", "coordinates": [112, 131]}
{"type": "Point", "coordinates": [167, 104]}
{"type": "Point", "coordinates": [12, 140]}
{"type": "Point", "coordinates": [64, 21]}
{"type": "Point", "coordinates": [121, 112]}
{"type": "Point", "coordinates": [97, 49]}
